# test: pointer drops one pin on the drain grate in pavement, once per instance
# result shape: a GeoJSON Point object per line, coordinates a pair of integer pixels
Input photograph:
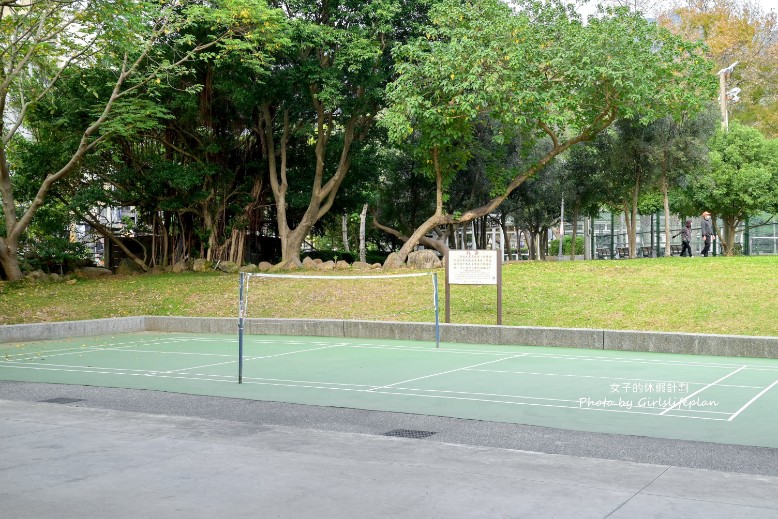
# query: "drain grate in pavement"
{"type": "Point", "coordinates": [409, 433]}
{"type": "Point", "coordinates": [62, 400]}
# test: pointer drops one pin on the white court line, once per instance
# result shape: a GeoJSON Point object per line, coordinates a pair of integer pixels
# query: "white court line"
{"type": "Point", "coordinates": [415, 349]}
{"type": "Point", "coordinates": [22, 365]}
{"type": "Point", "coordinates": [117, 347]}
{"type": "Point", "coordinates": [172, 352]}
{"type": "Point", "coordinates": [436, 396]}
{"type": "Point", "coordinates": [460, 351]}
{"type": "Point", "coordinates": [534, 398]}
{"type": "Point", "coordinates": [702, 389]}
{"type": "Point", "coordinates": [765, 390]}
{"type": "Point", "coordinates": [114, 371]}
{"type": "Point", "coordinates": [234, 361]}
{"type": "Point", "coordinates": [447, 372]}
{"type": "Point", "coordinates": [317, 385]}
{"type": "Point", "coordinates": [293, 352]}
{"type": "Point", "coordinates": [566, 357]}
{"type": "Point", "coordinates": [646, 361]}
{"type": "Point", "coordinates": [303, 383]}
{"type": "Point", "coordinates": [91, 347]}
{"type": "Point", "coordinates": [607, 378]}
{"type": "Point", "coordinates": [548, 405]}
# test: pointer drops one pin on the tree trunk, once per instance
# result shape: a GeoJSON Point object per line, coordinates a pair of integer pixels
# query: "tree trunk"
{"type": "Point", "coordinates": [666, 202]}
{"type": "Point", "coordinates": [344, 231]}
{"type": "Point", "coordinates": [506, 236]}
{"type": "Point", "coordinates": [575, 231]}
{"type": "Point", "coordinates": [529, 238]}
{"type": "Point", "coordinates": [528, 241]}
{"type": "Point", "coordinates": [106, 233]}
{"type": "Point", "coordinates": [627, 227]}
{"type": "Point", "coordinates": [154, 244]}
{"type": "Point", "coordinates": [9, 260]}
{"type": "Point", "coordinates": [9, 244]}
{"type": "Point", "coordinates": [322, 193]}
{"type": "Point", "coordinates": [166, 240]}
{"type": "Point", "coordinates": [436, 219]}
{"type": "Point", "coordinates": [439, 245]}
{"type": "Point", "coordinates": [362, 245]}
{"type": "Point", "coordinates": [518, 241]}
{"type": "Point", "coordinates": [730, 228]}
{"type": "Point", "coordinates": [208, 221]}
{"type": "Point", "coordinates": [240, 246]}
{"type": "Point", "coordinates": [632, 229]}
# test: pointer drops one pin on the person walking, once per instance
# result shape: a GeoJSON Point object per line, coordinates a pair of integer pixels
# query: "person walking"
{"type": "Point", "coordinates": [707, 233]}
{"type": "Point", "coordinates": [686, 238]}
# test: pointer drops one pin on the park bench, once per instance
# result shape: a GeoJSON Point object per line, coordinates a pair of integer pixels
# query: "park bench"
{"type": "Point", "coordinates": [675, 250]}
{"type": "Point", "coordinates": [622, 252]}
{"type": "Point", "coordinates": [648, 251]}
{"type": "Point", "coordinates": [603, 253]}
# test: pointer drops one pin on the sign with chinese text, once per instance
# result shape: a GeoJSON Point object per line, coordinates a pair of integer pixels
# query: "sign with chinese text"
{"type": "Point", "coordinates": [472, 267]}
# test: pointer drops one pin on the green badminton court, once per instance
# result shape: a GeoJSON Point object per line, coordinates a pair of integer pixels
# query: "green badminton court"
{"type": "Point", "coordinates": [727, 400]}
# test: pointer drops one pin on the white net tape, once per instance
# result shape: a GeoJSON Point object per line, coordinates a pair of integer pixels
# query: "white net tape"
{"type": "Point", "coordinates": [248, 275]}
{"type": "Point", "coordinates": [301, 276]}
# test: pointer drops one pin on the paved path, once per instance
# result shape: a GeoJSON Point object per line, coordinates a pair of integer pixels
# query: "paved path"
{"type": "Point", "coordinates": [87, 462]}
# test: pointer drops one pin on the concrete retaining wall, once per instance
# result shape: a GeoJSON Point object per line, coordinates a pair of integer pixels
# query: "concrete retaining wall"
{"type": "Point", "coordinates": [44, 331]}
{"type": "Point", "coordinates": [691, 343]}
{"type": "Point", "coordinates": [224, 325]}
{"type": "Point", "coordinates": [698, 344]}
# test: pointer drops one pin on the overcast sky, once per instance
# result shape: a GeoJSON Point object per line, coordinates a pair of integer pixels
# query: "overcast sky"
{"type": "Point", "coordinates": [588, 7]}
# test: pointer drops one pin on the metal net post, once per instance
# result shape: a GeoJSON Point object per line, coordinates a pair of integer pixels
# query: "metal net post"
{"type": "Point", "coordinates": [437, 308]}
{"type": "Point", "coordinates": [241, 312]}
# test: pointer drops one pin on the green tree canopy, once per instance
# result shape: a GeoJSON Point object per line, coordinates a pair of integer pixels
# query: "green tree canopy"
{"type": "Point", "coordinates": [541, 72]}
{"type": "Point", "coordinates": [740, 180]}
{"type": "Point", "coordinates": [44, 41]}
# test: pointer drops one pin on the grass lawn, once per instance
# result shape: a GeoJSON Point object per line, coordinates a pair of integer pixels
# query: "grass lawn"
{"type": "Point", "coordinates": [702, 295]}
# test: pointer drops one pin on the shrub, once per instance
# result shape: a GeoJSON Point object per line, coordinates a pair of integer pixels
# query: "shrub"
{"type": "Point", "coordinates": [553, 246]}
{"type": "Point", "coordinates": [55, 253]}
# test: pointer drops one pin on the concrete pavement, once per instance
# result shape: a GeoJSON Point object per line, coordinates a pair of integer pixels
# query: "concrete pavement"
{"type": "Point", "coordinates": [81, 462]}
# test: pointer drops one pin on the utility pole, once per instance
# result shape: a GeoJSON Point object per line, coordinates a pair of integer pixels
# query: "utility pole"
{"type": "Point", "coordinates": [724, 75]}
{"type": "Point", "coordinates": [724, 96]}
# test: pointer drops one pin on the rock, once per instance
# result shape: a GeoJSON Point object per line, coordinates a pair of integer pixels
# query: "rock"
{"type": "Point", "coordinates": [342, 265]}
{"type": "Point", "coordinates": [309, 263]}
{"type": "Point", "coordinates": [228, 266]}
{"type": "Point", "coordinates": [168, 269]}
{"type": "Point", "coordinates": [127, 267]}
{"type": "Point", "coordinates": [156, 269]}
{"type": "Point", "coordinates": [393, 261]}
{"type": "Point", "coordinates": [37, 275]}
{"type": "Point", "coordinates": [424, 259]}
{"type": "Point", "coordinates": [92, 272]}
{"type": "Point", "coordinates": [249, 268]}
{"type": "Point", "coordinates": [326, 265]}
{"type": "Point", "coordinates": [376, 266]}
{"type": "Point", "coordinates": [360, 265]}
{"type": "Point", "coordinates": [264, 266]}
{"type": "Point", "coordinates": [180, 267]}
{"type": "Point", "coordinates": [201, 265]}
{"type": "Point", "coordinates": [70, 282]}
{"type": "Point", "coordinates": [54, 277]}
{"type": "Point", "coordinates": [292, 264]}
